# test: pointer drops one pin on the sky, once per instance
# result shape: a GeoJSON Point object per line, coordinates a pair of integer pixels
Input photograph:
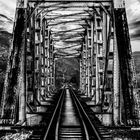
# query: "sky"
{"type": "Point", "coordinates": [133, 16]}
{"type": "Point", "coordinates": [7, 7]}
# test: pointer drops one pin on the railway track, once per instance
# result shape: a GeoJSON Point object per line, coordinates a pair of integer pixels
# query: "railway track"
{"type": "Point", "coordinates": [68, 118]}
{"type": "Point", "coordinates": [38, 132]}
{"type": "Point", "coordinates": [70, 121]}
{"type": "Point", "coordinates": [105, 132]}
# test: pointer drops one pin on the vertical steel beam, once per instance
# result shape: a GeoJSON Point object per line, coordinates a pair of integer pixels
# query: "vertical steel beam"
{"type": "Point", "coordinates": [84, 65]}
{"type": "Point", "coordinates": [89, 59]}
{"type": "Point", "coordinates": [46, 44]}
{"type": "Point", "coordinates": [86, 59]}
{"type": "Point", "coordinates": [38, 60]}
{"type": "Point", "coordinates": [116, 85]}
{"type": "Point", "coordinates": [92, 60]}
{"type": "Point", "coordinates": [124, 53]}
{"type": "Point", "coordinates": [25, 3]}
{"type": "Point", "coordinates": [81, 72]}
{"type": "Point", "coordinates": [97, 59]}
{"type": "Point", "coordinates": [13, 96]}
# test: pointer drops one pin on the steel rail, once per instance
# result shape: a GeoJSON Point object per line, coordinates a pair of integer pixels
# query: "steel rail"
{"type": "Point", "coordinates": [80, 115]}
{"type": "Point", "coordinates": [85, 114]}
{"type": "Point", "coordinates": [54, 114]}
{"type": "Point", "coordinates": [58, 120]}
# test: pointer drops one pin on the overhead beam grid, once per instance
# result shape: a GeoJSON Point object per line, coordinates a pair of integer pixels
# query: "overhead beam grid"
{"type": "Point", "coordinates": [66, 19]}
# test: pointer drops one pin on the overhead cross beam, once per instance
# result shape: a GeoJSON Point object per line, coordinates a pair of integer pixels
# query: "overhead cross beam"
{"type": "Point", "coordinates": [70, 1]}
{"type": "Point", "coordinates": [64, 6]}
{"type": "Point", "coordinates": [42, 9]}
{"type": "Point", "coordinates": [81, 33]}
{"type": "Point", "coordinates": [64, 22]}
{"type": "Point", "coordinates": [57, 32]}
{"type": "Point", "coordinates": [72, 56]}
{"type": "Point", "coordinates": [68, 54]}
{"type": "Point", "coordinates": [65, 39]}
{"type": "Point", "coordinates": [70, 36]}
{"type": "Point", "coordinates": [69, 46]}
{"type": "Point", "coordinates": [70, 41]}
{"type": "Point", "coordinates": [75, 14]}
{"type": "Point", "coordinates": [55, 7]}
{"type": "Point", "coordinates": [47, 11]}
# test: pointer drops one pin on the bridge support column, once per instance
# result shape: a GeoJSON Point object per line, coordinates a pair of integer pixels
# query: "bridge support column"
{"type": "Point", "coordinates": [116, 85]}
{"type": "Point", "coordinates": [99, 64]}
{"type": "Point", "coordinates": [48, 59]}
{"type": "Point", "coordinates": [107, 53]}
{"type": "Point", "coordinates": [84, 68]}
{"type": "Point", "coordinates": [86, 59]}
{"type": "Point", "coordinates": [51, 67]}
{"type": "Point", "coordinates": [11, 111]}
{"type": "Point", "coordinates": [81, 73]}
{"type": "Point", "coordinates": [124, 55]}
{"type": "Point", "coordinates": [92, 61]}
{"type": "Point", "coordinates": [46, 46]}
{"type": "Point", "coordinates": [89, 46]}
{"type": "Point", "coordinates": [22, 79]}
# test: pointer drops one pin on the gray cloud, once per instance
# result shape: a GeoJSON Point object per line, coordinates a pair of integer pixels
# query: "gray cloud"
{"type": "Point", "coordinates": [135, 27]}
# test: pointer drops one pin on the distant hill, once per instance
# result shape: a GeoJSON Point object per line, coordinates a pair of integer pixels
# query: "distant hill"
{"type": "Point", "coordinates": [67, 70]}
{"type": "Point", "coordinates": [5, 41]}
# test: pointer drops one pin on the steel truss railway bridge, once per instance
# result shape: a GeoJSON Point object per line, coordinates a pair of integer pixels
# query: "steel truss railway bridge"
{"type": "Point", "coordinates": [93, 31]}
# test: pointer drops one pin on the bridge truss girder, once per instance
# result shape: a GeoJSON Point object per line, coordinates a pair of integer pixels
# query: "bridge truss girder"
{"type": "Point", "coordinates": [102, 66]}
{"type": "Point", "coordinates": [103, 69]}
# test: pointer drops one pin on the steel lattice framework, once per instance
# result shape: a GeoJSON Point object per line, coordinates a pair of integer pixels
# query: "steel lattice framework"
{"type": "Point", "coordinates": [96, 32]}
